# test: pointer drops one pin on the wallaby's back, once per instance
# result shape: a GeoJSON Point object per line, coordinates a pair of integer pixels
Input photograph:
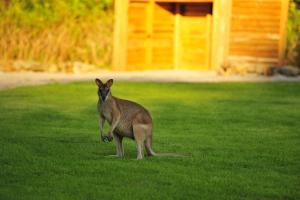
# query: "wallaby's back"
{"type": "Point", "coordinates": [131, 112]}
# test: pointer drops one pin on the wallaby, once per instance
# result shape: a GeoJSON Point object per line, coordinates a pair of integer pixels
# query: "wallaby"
{"type": "Point", "coordinates": [126, 119]}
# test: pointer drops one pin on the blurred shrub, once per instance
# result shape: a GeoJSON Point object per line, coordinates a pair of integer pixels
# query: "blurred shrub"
{"type": "Point", "coordinates": [293, 34]}
{"type": "Point", "coordinates": [56, 31]}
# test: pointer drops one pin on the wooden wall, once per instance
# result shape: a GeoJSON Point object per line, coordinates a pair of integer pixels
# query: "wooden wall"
{"type": "Point", "coordinates": [150, 32]}
{"type": "Point", "coordinates": [137, 41]}
{"type": "Point", "coordinates": [163, 34]}
{"type": "Point", "coordinates": [195, 36]}
{"type": "Point", "coordinates": [256, 32]}
{"type": "Point", "coordinates": [168, 35]}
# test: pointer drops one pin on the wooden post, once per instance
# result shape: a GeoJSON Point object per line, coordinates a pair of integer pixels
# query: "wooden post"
{"type": "Point", "coordinates": [227, 22]}
{"type": "Point", "coordinates": [282, 32]}
{"type": "Point", "coordinates": [208, 42]}
{"type": "Point", "coordinates": [149, 48]}
{"type": "Point", "coordinates": [176, 56]}
{"type": "Point", "coordinates": [220, 36]}
{"type": "Point", "coordinates": [215, 34]}
{"type": "Point", "coordinates": [120, 35]}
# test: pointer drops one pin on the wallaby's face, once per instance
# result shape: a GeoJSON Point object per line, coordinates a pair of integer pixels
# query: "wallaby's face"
{"type": "Point", "coordinates": [103, 89]}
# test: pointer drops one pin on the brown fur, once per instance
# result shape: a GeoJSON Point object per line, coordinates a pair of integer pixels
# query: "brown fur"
{"type": "Point", "coordinates": [126, 119]}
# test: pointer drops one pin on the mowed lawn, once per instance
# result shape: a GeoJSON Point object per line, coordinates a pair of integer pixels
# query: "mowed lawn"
{"type": "Point", "coordinates": [242, 142]}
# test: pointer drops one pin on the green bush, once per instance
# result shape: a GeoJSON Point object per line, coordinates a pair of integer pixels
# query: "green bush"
{"type": "Point", "coordinates": [293, 34]}
{"type": "Point", "coordinates": [42, 13]}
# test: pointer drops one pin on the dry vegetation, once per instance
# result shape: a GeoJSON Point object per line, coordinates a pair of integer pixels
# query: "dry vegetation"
{"type": "Point", "coordinates": [53, 33]}
{"type": "Point", "coordinates": [70, 35]}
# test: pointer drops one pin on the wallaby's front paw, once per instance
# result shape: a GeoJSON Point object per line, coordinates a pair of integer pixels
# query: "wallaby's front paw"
{"type": "Point", "coordinates": [110, 138]}
{"type": "Point", "coordinates": [105, 138]}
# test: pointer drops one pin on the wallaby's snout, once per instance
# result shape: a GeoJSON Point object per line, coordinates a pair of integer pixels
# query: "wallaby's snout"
{"type": "Point", "coordinates": [103, 89]}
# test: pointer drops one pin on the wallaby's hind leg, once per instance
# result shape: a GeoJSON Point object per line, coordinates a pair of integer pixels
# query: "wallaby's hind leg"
{"type": "Point", "coordinates": [142, 129]}
{"type": "Point", "coordinates": [140, 150]}
{"type": "Point", "coordinates": [119, 145]}
{"type": "Point", "coordinates": [143, 135]}
{"type": "Point", "coordinates": [139, 132]}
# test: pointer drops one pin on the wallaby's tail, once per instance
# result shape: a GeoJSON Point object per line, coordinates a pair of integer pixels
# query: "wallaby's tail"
{"type": "Point", "coordinates": [168, 155]}
{"type": "Point", "coordinates": [150, 152]}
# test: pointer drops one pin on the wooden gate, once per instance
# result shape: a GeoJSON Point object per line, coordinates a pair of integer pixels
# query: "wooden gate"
{"type": "Point", "coordinates": [194, 35]}
{"type": "Point", "coordinates": [168, 35]}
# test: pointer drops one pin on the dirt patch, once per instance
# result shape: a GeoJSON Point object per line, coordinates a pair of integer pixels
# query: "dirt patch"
{"type": "Point", "coordinates": [12, 80]}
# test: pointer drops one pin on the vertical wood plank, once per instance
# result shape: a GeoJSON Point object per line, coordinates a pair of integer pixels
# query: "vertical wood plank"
{"type": "Point", "coordinates": [208, 42]}
{"type": "Point", "coordinates": [255, 34]}
{"type": "Point", "coordinates": [282, 34]}
{"type": "Point", "coordinates": [227, 22]}
{"type": "Point", "coordinates": [215, 34]}
{"type": "Point", "coordinates": [120, 35]}
{"type": "Point", "coordinates": [220, 32]}
{"type": "Point", "coordinates": [177, 36]}
{"type": "Point", "coordinates": [149, 48]}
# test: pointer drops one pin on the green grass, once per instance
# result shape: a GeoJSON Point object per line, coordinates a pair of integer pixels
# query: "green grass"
{"type": "Point", "coordinates": [243, 138]}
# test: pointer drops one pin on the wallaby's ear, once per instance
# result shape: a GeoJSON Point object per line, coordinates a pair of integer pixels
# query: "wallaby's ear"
{"type": "Point", "coordinates": [98, 82]}
{"type": "Point", "coordinates": [109, 82]}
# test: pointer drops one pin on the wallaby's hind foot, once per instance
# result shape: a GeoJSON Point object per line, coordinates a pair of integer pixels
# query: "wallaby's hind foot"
{"type": "Point", "coordinates": [148, 145]}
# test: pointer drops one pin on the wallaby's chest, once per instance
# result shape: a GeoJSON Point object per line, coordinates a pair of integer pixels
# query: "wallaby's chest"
{"type": "Point", "coordinates": [106, 112]}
